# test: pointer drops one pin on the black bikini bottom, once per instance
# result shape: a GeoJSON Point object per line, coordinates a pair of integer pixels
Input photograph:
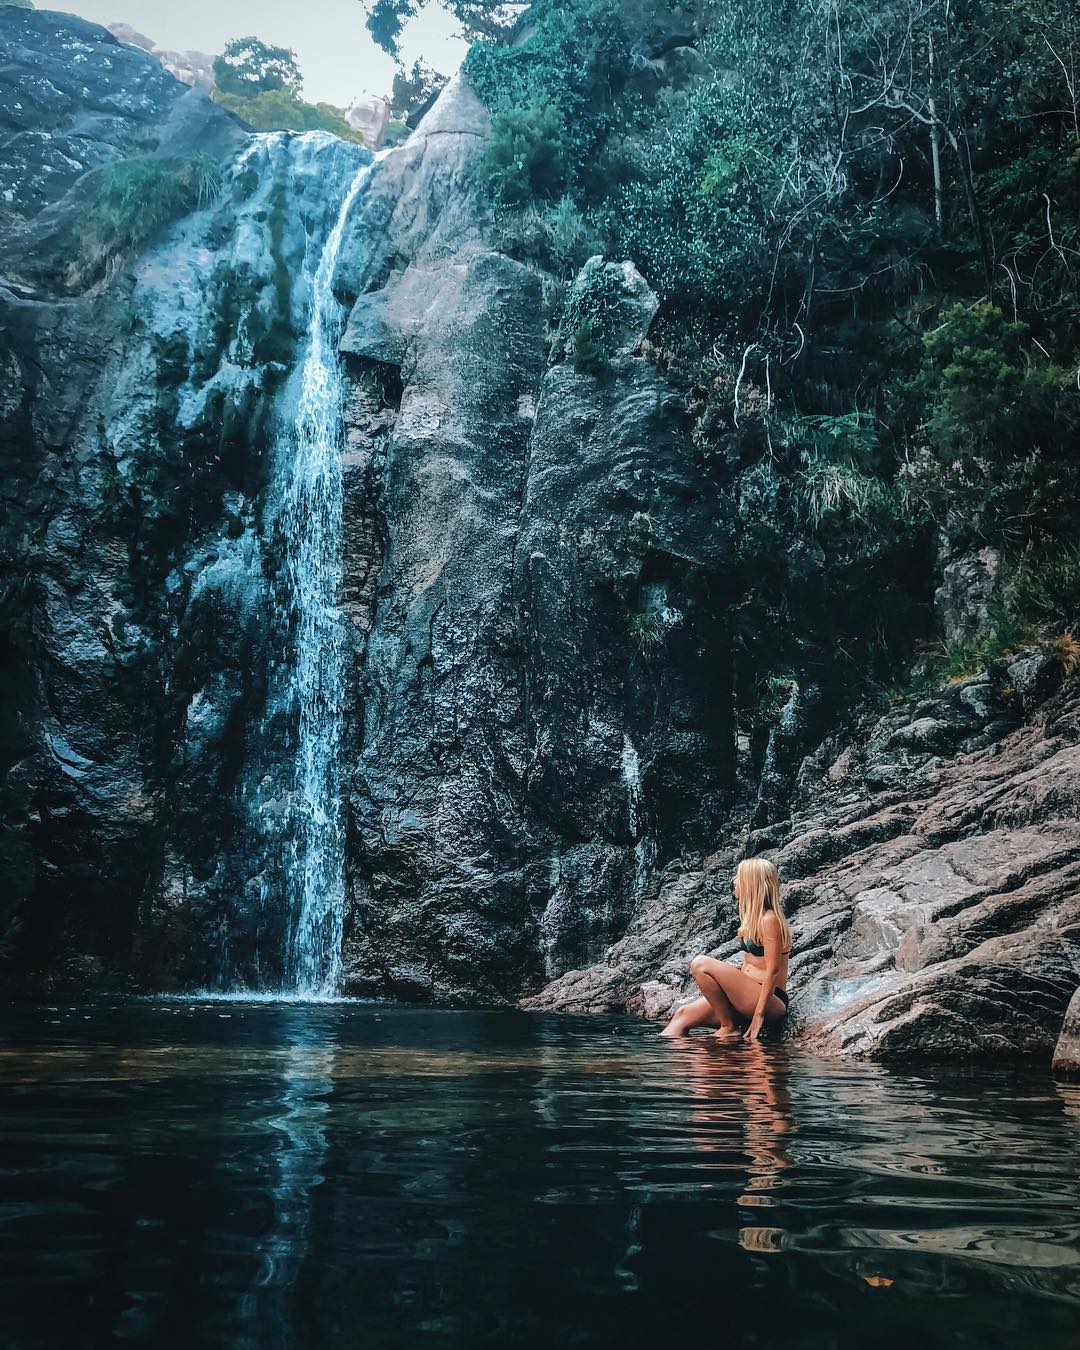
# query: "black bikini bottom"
{"type": "Point", "coordinates": [782, 995]}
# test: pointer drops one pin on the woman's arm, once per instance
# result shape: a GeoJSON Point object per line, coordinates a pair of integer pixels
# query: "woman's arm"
{"type": "Point", "coordinates": [770, 938]}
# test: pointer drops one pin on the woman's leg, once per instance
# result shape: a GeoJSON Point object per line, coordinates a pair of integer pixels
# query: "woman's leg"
{"type": "Point", "coordinates": [698, 1012]}
{"type": "Point", "coordinates": [731, 990]}
{"type": "Point", "coordinates": [708, 976]}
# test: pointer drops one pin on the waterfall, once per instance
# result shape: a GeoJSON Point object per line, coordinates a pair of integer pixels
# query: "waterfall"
{"type": "Point", "coordinates": [630, 764]}
{"type": "Point", "coordinates": [311, 523]}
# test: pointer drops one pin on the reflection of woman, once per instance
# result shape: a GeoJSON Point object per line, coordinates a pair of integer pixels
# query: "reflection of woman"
{"type": "Point", "coordinates": [757, 991]}
{"type": "Point", "coordinates": [768, 1121]}
{"type": "Point", "coordinates": [748, 1097]}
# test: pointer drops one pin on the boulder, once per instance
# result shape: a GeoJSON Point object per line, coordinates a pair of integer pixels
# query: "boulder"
{"type": "Point", "coordinates": [369, 115]}
{"type": "Point", "coordinates": [962, 601]}
{"type": "Point", "coordinates": [614, 300]}
{"type": "Point", "coordinates": [1066, 1060]}
{"type": "Point", "coordinates": [73, 98]}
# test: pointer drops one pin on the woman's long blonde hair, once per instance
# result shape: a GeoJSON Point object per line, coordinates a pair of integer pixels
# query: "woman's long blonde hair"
{"type": "Point", "coordinates": [759, 886]}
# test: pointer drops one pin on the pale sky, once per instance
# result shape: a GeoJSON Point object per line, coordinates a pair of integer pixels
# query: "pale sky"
{"type": "Point", "coordinates": [333, 48]}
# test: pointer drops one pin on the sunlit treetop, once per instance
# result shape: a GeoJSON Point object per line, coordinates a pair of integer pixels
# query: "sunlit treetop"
{"type": "Point", "coordinates": [248, 67]}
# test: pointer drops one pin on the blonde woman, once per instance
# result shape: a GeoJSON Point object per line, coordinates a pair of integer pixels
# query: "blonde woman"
{"type": "Point", "coordinates": [758, 991]}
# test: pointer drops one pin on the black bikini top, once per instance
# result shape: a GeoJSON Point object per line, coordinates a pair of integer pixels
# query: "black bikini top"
{"type": "Point", "coordinates": [753, 948]}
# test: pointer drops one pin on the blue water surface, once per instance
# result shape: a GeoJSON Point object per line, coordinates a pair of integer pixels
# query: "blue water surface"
{"type": "Point", "coordinates": [204, 1173]}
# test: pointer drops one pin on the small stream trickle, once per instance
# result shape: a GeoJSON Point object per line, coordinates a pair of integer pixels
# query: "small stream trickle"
{"type": "Point", "coordinates": [311, 522]}
{"type": "Point", "coordinates": [630, 764]}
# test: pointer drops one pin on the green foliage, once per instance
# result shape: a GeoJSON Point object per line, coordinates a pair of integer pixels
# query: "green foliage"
{"type": "Point", "coordinates": [866, 267]}
{"type": "Point", "coordinates": [588, 354]}
{"type": "Point", "coordinates": [558, 238]}
{"type": "Point", "coordinates": [594, 298]}
{"type": "Point", "coordinates": [589, 313]}
{"type": "Point", "coordinates": [995, 461]}
{"type": "Point", "coordinates": [554, 97]}
{"type": "Point", "coordinates": [523, 159]}
{"type": "Point", "coordinates": [130, 203]}
{"type": "Point", "coordinates": [1004, 635]}
{"type": "Point", "coordinates": [1040, 602]}
{"type": "Point", "coordinates": [695, 216]}
{"type": "Point", "coordinates": [764, 705]}
{"type": "Point", "coordinates": [284, 110]}
{"type": "Point", "coordinates": [248, 67]}
{"type": "Point", "coordinates": [1045, 587]}
{"type": "Point", "coordinates": [841, 479]}
{"type": "Point", "coordinates": [976, 375]}
{"type": "Point", "coordinates": [826, 489]}
{"type": "Point", "coordinates": [413, 88]}
{"type": "Point", "coordinates": [647, 629]}
{"type": "Point", "coordinates": [200, 174]}
{"type": "Point", "coordinates": [478, 18]}
{"type": "Point", "coordinates": [572, 239]}
{"type": "Point", "coordinates": [261, 85]}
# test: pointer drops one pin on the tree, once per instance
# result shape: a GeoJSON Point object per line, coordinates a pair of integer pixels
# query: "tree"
{"type": "Point", "coordinates": [478, 18]}
{"type": "Point", "coordinates": [413, 89]}
{"type": "Point", "coordinates": [261, 85]}
{"type": "Point", "coordinates": [248, 67]}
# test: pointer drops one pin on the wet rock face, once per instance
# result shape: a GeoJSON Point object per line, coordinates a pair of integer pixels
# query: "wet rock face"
{"type": "Point", "coordinates": [968, 585]}
{"type": "Point", "coordinates": [138, 561]}
{"type": "Point", "coordinates": [524, 762]}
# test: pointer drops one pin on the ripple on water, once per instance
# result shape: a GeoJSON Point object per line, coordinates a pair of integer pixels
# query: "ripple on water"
{"type": "Point", "coordinates": [276, 1174]}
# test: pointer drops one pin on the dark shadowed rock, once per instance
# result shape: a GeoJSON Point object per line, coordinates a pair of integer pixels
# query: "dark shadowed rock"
{"type": "Point", "coordinates": [135, 576]}
{"type": "Point", "coordinates": [74, 99]}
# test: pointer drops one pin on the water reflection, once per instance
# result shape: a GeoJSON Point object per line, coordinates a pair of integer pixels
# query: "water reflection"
{"type": "Point", "coordinates": [298, 1155]}
{"type": "Point", "coordinates": [287, 1176]}
{"type": "Point", "coordinates": [742, 1103]}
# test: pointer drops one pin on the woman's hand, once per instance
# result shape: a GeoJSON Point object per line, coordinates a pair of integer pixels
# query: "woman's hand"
{"type": "Point", "coordinates": [754, 1029]}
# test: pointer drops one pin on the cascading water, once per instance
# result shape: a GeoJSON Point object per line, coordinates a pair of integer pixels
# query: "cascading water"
{"type": "Point", "coordinates": [311, 521]}
{"type": "Point", "coordinates": [631, 775]}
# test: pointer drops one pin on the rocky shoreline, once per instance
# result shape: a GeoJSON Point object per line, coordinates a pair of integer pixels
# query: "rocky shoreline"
{"type": "Point", "coordinates": [932, 871]}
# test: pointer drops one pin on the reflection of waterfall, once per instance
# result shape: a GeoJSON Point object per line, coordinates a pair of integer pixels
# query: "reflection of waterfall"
{"type": "Point", "coordinates": [311, 523]}
{"type": "Point", "coordinates": [299, 1157]}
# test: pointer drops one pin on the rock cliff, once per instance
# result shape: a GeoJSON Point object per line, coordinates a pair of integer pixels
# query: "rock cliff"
{"type": "Point", "coordinates": [544, 786]}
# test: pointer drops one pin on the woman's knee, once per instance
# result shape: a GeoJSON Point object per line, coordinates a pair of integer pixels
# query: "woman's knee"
{"type": "Point", "coordinates": [700, 965]}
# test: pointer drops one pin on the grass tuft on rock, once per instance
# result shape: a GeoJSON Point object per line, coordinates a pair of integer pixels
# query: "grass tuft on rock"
{"type": "Point", "coordinates": [130, 203]}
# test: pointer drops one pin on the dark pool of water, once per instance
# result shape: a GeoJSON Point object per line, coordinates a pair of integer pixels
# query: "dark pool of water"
{"type": "Point", "coordinates": [361, 1175]}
